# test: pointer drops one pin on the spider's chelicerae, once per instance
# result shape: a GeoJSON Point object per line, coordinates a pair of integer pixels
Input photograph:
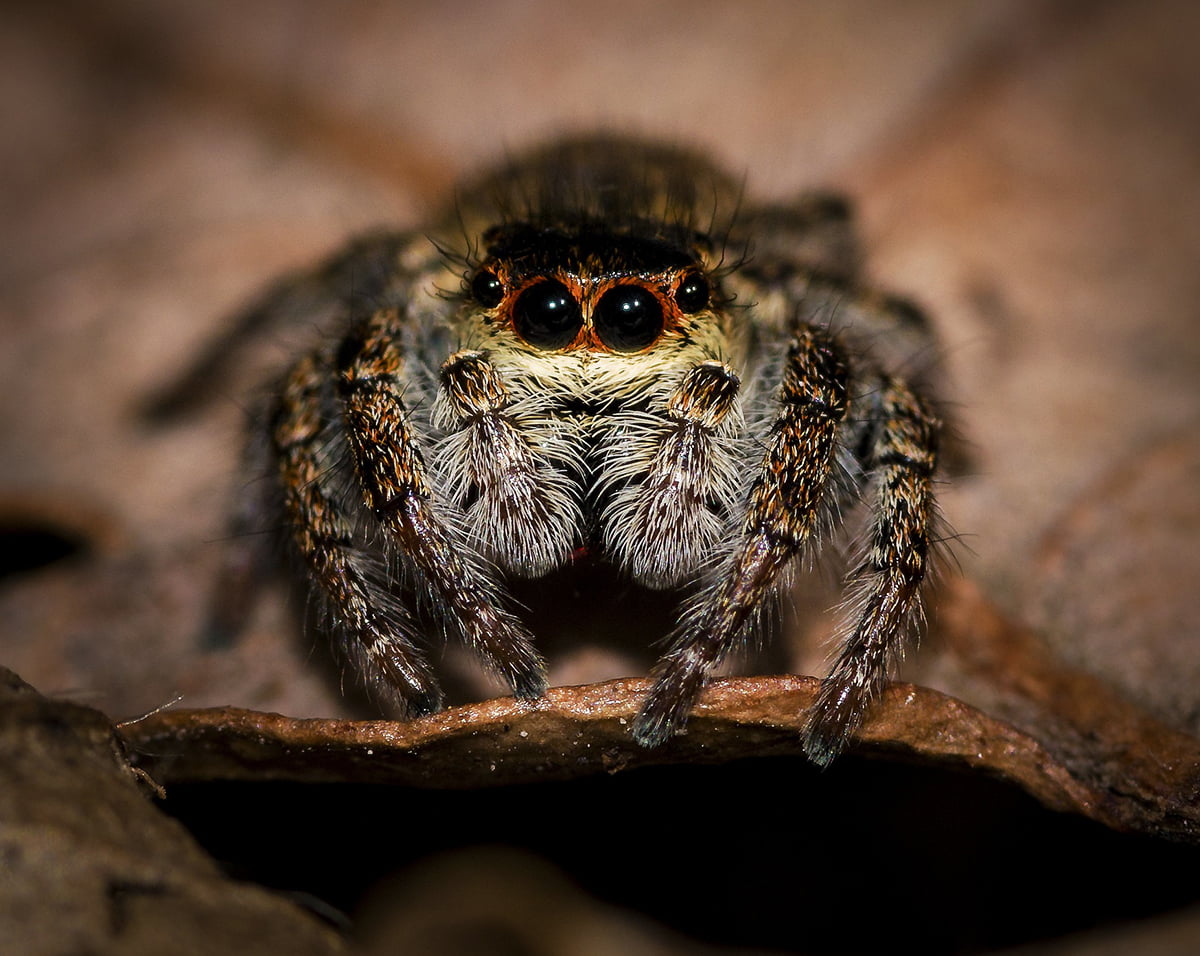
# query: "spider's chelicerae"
{"type": "Point", "coordinates": [603, 351]}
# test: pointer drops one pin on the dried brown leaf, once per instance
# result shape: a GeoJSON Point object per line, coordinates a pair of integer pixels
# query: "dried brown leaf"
{"type": "Point", "coordinates": [90, 865]}
{"type": "Point", "coordinates": [1086, 750]}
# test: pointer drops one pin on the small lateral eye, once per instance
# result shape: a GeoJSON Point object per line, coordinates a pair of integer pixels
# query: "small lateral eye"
{"type": "Point", "coordinates": [691, 295]}
{"type": "Point", "coordinates": [546, 315]}
{"type": "Point", "coordinates": [487, 289]}
{"type": "Point", "coordinates": [628, 318]}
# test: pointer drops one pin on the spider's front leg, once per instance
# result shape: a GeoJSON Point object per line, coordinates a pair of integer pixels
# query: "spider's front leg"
{"type": "Point", "coordinates": [396, 490]}
{"type": "Point", "coordinates": [784, 514]}
{"type": "Point", "coordinates": [375, 631]}
{"type": "Point", "coordinates": [900, 457]}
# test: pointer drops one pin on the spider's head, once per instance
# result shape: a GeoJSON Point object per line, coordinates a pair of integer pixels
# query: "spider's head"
{"type": "Point", "coordinates": [589, 287]}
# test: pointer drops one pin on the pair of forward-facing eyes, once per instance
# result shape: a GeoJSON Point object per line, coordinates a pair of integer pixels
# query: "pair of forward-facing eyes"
{"type": "Point", "coordinates": [627, 314]}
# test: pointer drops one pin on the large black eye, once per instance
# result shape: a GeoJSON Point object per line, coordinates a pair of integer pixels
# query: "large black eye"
{"type": "Point", "coordinates": [692, 293]}
{"type": "Point", "coordinates": [547, 315]}
{"type": "Point", "coordinates": [487, 289]}
{"type": "Point", "coordinates": [628, 318]}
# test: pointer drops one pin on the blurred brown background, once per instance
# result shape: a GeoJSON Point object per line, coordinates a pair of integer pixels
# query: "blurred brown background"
{"type": "Point", "coordinates": [1029, 171]}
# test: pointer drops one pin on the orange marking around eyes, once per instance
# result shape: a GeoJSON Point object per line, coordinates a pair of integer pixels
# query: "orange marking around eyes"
{"type": "Point", "coordinates": [587, 292]}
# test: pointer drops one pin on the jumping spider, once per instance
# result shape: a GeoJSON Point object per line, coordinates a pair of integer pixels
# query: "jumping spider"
{"type": "Point", "coordinates": [602, 350]}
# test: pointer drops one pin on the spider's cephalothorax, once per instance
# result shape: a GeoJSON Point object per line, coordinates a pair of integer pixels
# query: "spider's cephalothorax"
{"type": "Point", "coordinates": [606, 352]}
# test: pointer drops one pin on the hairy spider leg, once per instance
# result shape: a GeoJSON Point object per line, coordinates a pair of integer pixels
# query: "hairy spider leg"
{"type": "Point", "coordinates": [784, 515]}
{"type": "Point", "coordinates": [396, 490]}
{"type": "Point", "coordinates": [885, 587]}
{"type": "Point", "coordinates": [375, 629]}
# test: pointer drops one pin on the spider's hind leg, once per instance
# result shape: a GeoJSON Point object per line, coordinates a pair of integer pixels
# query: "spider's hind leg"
{"type": "Point", "coordinates": [248, 557]}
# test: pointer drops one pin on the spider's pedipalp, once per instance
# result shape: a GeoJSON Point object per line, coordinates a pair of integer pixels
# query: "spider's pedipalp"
{"type": "Point", "coordinates": [521, 508]}
{"type": "Point", "coordinates": [662, 526]}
